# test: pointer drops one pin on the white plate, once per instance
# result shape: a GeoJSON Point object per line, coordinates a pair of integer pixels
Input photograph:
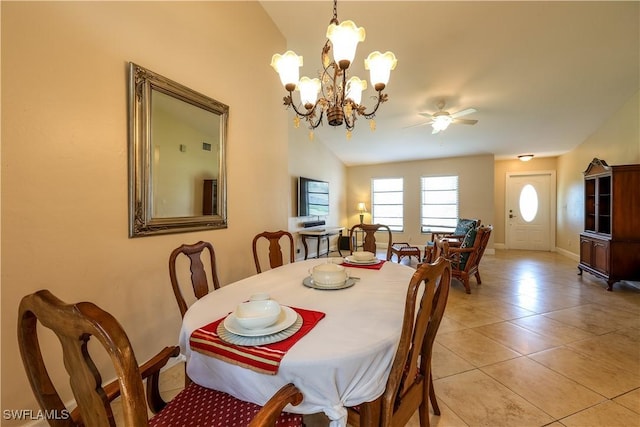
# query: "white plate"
{"type": "Point", "coordinates": [232, 338]}
{"type": "Point", "coordinates": [287, 317]}
{"type": "Point", "coordinates": [308, 282]}
{"type": "Point", "coordinates": [352, 260]}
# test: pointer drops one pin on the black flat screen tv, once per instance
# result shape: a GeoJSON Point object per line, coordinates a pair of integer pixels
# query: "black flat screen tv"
{"type": "Point", "coordinates": [313, 197]}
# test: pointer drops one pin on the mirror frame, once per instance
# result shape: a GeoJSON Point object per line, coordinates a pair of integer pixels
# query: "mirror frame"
{"type": "Point", "coordinates": [141, 221]}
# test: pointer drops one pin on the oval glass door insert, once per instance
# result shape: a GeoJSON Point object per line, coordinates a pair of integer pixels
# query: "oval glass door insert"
{"type": "Point", "coordinates": [528, 203]}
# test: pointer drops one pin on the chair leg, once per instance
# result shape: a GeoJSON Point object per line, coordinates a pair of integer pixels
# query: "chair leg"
{"type": "Point", "coordinates": [465, 282]}
{"type": "Point", "coordinates": [432, 397]}
{"type": "Point", "coordinates": [478, 278]}
{"type": "Point", "coordinates": [423, 410]}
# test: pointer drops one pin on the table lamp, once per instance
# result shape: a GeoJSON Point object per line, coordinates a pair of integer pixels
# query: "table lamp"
{"type": "Point", "coordinates": [362, 208]}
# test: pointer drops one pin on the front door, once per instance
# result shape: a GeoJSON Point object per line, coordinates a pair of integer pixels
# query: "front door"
{"type": "Point", "coordinates": [530, 211]}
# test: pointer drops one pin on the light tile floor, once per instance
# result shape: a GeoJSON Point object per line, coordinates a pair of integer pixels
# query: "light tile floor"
{"type": "Point", "coordinates": [534, 345]}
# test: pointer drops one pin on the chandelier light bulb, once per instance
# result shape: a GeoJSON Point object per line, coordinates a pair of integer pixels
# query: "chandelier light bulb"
{"type": "Point", "coordinates": [345, 38]}
{"type": "Point", "coordinates": [309, 89]}
{"type": "Point", "coordinates": [287, 66]}
{"type": "Point", "coordinates": [355, 86]}
{"type": "Point", "coordinates": [380, 66]}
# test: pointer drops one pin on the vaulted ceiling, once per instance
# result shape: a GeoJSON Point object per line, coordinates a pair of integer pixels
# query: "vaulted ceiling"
{"type": "Point", "coordinates": [543, 76]}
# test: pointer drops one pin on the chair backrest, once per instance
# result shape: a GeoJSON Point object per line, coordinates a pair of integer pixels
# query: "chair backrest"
{"type": "Point", "coordinates": [74, 325]}
{"type": "Point", "coordinates": [275, 249]}
{"type": "Point", "coordinates": [199, 281]}
{"type": "Point", "coordinates": [408, 383]}
{"type": "Point", "coordinates": [369, 242]}
{"type": "Point", "coordinates": [464, 225]}
{"type": "Point", "coordinates": [480, 244]}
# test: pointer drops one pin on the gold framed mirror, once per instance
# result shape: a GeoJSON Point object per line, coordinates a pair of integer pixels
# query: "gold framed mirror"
{"type": "Point", "coordinates": [177, 145]}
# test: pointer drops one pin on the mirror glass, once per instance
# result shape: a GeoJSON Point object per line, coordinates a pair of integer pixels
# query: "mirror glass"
{"type": "Point", "coordinates": [177, 142]}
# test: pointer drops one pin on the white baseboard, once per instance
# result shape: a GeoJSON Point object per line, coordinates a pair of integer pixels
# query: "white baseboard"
{"type": "Point", "coordinates": [568, 254]}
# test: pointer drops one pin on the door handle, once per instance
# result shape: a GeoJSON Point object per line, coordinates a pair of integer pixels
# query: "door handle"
{"type": "Point", "coordinates": [512, 216]}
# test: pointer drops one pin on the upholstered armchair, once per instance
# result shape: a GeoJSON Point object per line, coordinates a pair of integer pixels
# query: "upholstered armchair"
{"type": "Point", "coordinates": [455, 238]}
{"type": "Point", "coordinates": [465, 259]}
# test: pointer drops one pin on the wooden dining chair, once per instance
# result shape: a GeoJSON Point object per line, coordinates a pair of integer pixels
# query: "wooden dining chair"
{"type": "Point", "coordinates": [275, 249]}
{"type": "Point", "coordinates": [410, 385]}
{"type": "Point", "coordinates": [199, 281]}
{"type": "Point", "coordinates": [75, 325]}
{"type": "Point", "coordinates": [369, 241]}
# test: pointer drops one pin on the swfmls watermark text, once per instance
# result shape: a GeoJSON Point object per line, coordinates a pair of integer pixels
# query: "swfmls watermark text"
{"type": "Point", "coordinates": [32, 415]}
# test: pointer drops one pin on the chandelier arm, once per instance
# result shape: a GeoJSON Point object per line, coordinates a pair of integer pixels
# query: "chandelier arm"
{"type": "Point", "coordinates": [288, 101]}
{"type": "Point", "coordinates": [316, 124]}
{"type": "Point", "coordinates": [347, 125]}
{"type": "Point", "coordinates": [381, 98]}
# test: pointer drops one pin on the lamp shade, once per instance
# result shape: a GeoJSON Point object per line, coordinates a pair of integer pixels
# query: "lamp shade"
{"type": "Point", "coordinates": [345, 38]}
{"type": "Point", "coordinates": [362, 207]}
{"type": "Point", "coordinates": [380, 66]}
{"type": "Point", "coordinates": [355, 86]}
{"type": "Point", "coordinates": [309, 89]}
{"type": "Point", "coordinates": [287, 66]}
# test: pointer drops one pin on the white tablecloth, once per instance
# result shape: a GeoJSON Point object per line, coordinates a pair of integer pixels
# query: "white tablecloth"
{"type": "Point", "coordinates": [344, 361]}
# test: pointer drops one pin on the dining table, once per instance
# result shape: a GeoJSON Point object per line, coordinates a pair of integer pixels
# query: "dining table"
{"type": "Point", "coordinates": [342, 360]}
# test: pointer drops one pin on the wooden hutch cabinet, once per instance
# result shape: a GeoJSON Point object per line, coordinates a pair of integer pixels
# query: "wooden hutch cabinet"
{"type": "Point", "coordinates": [610, 243]}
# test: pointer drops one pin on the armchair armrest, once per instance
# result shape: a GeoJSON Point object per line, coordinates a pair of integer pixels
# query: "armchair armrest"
{"type": "Point", "coordinates": [150, 370]}
{"type": "Point", "coordinates": [274, 406]}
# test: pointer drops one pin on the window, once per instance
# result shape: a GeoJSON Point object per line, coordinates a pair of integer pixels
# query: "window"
{"type": "Point", "coordinates": [388, 208]}
{"type": "Point", "coordinates": [439, 211]}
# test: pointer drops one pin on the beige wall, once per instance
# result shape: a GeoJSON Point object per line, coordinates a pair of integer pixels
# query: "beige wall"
{"type": "Point", "coordinates": [64, 153]}
{"type": "Point", "coordinates": [617, 142]}
{"type": "Point", "coordinates": [476, 184]}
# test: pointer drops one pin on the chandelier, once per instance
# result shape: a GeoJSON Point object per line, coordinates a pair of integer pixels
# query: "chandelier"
{"type": "Point", "coordinates": [333, 94]}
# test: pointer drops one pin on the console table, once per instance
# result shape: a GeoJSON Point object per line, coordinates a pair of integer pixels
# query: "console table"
{"type": "Point", "coordinates": [319, 235]}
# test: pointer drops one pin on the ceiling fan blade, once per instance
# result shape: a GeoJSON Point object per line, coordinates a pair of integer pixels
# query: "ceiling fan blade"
{"type": "Point", "coordinates": [419, 124]}
{"type": "Point", "coordinates": [426, 114]}
{"type": "Point", "coordinates": [465, 121]}
{"type": "Point", "coordinates": [463, 113]}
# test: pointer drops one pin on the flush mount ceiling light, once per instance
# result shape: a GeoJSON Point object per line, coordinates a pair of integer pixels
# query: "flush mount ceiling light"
{"type": "Point", "coordinates": [341, 96]}
{"type": "Point", "coordinates": [525, 157]}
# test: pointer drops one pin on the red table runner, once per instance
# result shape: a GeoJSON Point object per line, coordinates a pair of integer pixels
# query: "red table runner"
{"type": "Point", "coordinates": [265, 358]}
{"type": "Point", "coordinates": [377, 266]}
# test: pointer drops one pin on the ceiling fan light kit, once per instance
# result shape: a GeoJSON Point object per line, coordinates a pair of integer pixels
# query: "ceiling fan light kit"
{"type": "Point", "coordinates": [441, 119]}
{"type": "Point", "coordinates": [341, 97]}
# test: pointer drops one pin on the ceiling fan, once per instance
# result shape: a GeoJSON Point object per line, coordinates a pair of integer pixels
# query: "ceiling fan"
{"type": "Point", "coordinates": [440, 120]}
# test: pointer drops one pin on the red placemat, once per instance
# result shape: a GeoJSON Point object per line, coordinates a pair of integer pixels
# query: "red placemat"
{"type": "Point", "coordinates": [265, 358]}
{"type": "Point", "coordinates": [377, 266]}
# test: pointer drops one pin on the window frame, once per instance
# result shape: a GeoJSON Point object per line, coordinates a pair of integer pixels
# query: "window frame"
{"type": "Point", "coordinates": [453, 220]}
{"type": "Point", "coordinates": [393, 227]}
